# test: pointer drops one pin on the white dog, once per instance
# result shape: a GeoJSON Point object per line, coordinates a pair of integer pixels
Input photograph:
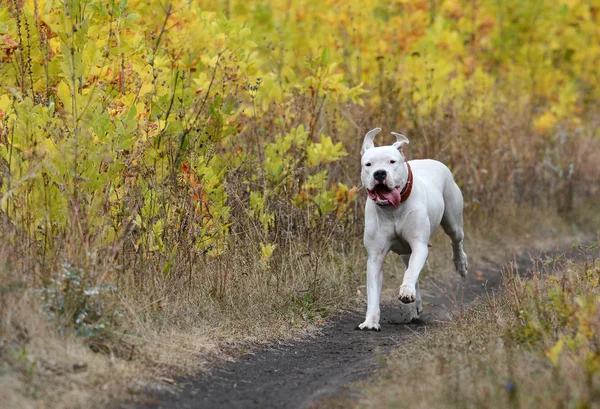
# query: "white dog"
{"type": "Point", "coordinates": [407, 202]}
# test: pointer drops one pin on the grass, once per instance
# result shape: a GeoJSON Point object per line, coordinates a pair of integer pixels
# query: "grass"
{"type": "Point", "coordinates": [123, 338]}
{"type": "Point", "coordinates": [533, 344]}
{"type": "Point", "coordinates": [42, 367]}
{"type": "Point", "coordinates": [45, 362]}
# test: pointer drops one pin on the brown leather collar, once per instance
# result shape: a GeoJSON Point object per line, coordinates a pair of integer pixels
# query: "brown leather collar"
{"type": "Point", "coordinates": [405, 192]}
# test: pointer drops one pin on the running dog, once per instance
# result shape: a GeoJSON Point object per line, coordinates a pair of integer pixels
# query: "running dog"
{"type": "Point", "coordinates": [406, 203]}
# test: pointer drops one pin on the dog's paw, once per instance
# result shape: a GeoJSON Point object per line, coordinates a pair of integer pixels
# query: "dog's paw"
{"type": "Point", "coordinates": [407, 294]}
{"type": "Point", "coordinates": [368, 326]}
{"type": "Point", "coordinates": [461, 264]}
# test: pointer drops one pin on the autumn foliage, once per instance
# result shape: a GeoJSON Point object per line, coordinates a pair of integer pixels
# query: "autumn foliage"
{"type": "Point", "coordinates": [153, 142]}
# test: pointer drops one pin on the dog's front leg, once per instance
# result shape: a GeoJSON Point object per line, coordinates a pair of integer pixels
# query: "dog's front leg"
{"type": "Point", "coordinates": [374, 284]}
{"type": "Point", "coordinates": [407, 292]}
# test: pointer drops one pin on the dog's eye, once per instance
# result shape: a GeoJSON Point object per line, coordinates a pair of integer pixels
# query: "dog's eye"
{"type": "Point", "coordinates": [368, 164]}
{"type": "Point", "coordinates": [392, 162]}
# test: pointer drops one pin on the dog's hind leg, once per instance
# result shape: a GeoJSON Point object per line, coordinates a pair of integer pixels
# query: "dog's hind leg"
{"type": "Point", "coordinates": [405, 259]}
{"type": "Point", "coordinates": [452, 223]}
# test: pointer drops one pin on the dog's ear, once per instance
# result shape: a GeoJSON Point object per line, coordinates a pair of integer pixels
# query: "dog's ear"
{"type": "Point", "coordinates": [368, 142]}
{"type": "Point", "coordinates": [401, 140]}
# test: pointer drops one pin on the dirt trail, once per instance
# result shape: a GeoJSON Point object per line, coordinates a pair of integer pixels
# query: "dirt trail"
{"type": "Point", "coordinates": [300, 373]}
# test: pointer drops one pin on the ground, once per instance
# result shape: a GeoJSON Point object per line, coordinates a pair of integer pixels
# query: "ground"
{"type": "Point", "coordinates": [314, 372]}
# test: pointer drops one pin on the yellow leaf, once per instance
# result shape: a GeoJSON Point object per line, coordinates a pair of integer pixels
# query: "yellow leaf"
{"type": "Point", "coordinates": [553, 353]}
{"type": "Point", "coordinates": [266, 251]}
{"type": "Point", "coordinates": [5, 103]}
{"type": "Point", "coordinates": [64, 94]}
{"type": "Point", "coordinates": [545, 122]}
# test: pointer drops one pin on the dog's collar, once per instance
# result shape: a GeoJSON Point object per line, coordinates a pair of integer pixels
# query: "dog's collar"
{"type": "Point", "coordinates": [406, 190]}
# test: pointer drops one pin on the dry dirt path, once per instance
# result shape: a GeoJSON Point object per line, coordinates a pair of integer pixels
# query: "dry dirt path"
{"type": "Point", "coordinates": [300, 374]}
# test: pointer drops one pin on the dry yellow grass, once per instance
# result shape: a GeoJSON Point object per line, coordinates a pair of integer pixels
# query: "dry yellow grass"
{"type": "Point", "coordinates": [532, 345]}
{"type": "Point", "coordinates": [41, 368]}
{"type": "Point", "coordinates": [44, 365]}
{"type": "Point", "coordinates": [40, 364]}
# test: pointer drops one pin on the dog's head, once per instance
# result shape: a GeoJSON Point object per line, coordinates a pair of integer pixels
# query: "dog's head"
{"type": "Point", "coordinates": [383, 170]}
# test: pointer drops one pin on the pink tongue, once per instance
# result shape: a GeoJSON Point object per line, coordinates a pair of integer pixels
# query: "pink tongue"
{"type": "Point", "coordinates": [392, 196]}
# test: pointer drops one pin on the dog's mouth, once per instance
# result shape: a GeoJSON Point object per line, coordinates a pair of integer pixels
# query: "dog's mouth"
{"type": "Point", "coordinates": [384, 196]}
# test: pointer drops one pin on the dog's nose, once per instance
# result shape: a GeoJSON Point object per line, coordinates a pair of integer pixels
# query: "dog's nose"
{"type": "Point", "coordinates": [380, 175]}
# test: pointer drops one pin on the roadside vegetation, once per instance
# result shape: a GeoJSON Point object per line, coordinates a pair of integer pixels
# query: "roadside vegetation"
{"type": "Point", "coordinates": [534, 344]}
{"type": "Point", "coordinates": [179, 179]}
